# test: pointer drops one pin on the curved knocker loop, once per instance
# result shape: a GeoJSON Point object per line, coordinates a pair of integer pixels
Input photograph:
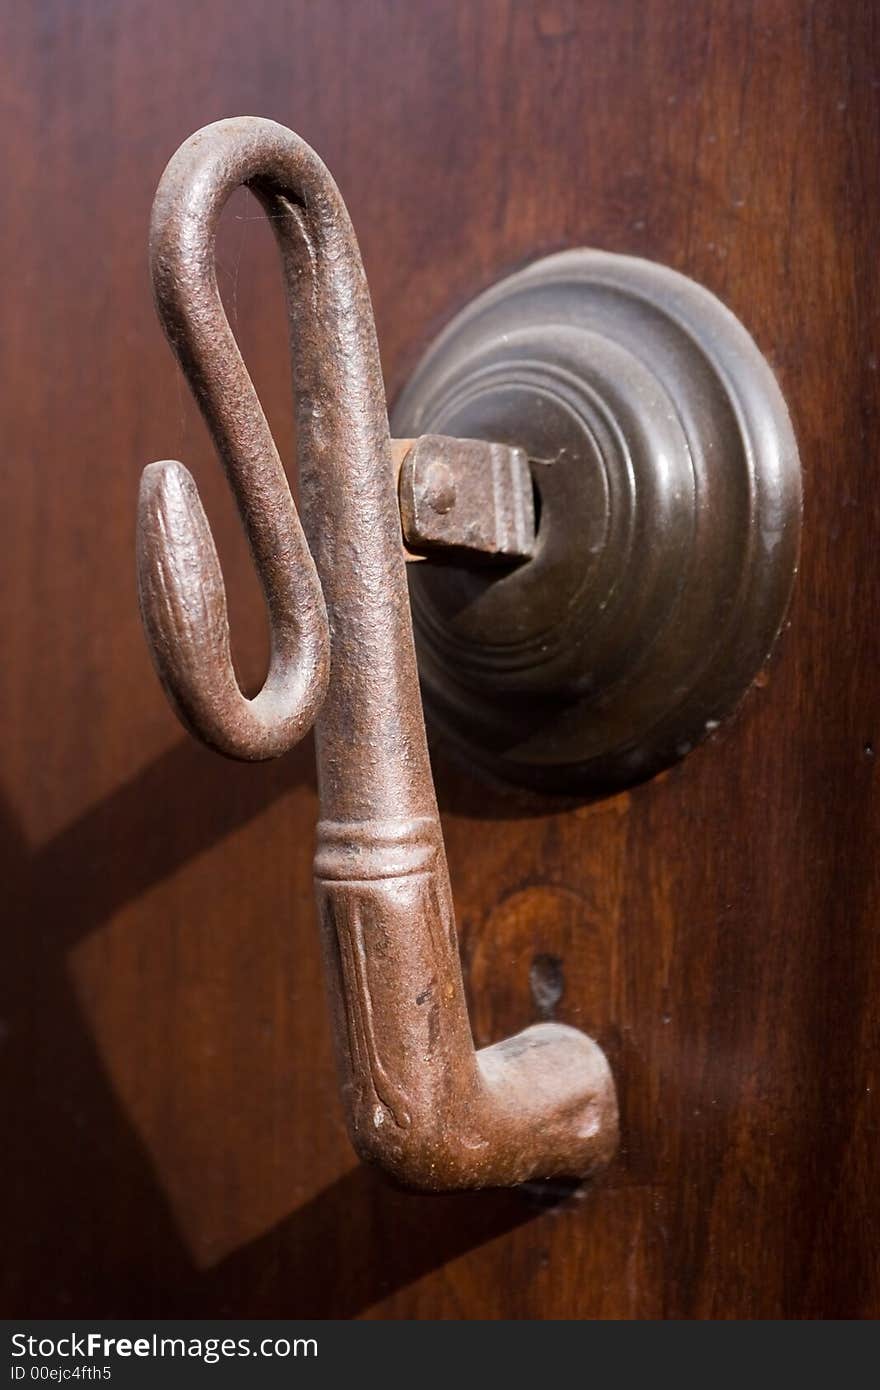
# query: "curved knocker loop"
{"type": "Point", "coordinates": [182, 595]}
{"type": "Point", "coordinates": [419, 1099]}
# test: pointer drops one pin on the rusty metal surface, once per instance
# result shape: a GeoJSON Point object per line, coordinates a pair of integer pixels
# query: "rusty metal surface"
{"type": "Point", "coordinates": [419, 1100]}
{"type": "Point", "coordinates": [466, 498]}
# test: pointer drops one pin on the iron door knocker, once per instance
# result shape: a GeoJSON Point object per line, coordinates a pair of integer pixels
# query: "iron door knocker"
{"type": "Point", "coordinates": [419, 1099]}
{"type": "Point", "coordinates": [602, 427]}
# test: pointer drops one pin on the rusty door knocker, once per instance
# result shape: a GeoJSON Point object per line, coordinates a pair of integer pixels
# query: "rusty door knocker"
{"type": "Point", "coordinates": [419, 1099]}
{"type": "Point", "coordinates": [623, 626]}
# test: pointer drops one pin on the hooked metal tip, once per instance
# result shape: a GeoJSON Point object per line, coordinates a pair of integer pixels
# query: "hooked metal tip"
{"type": "Point", "coordinates": [183, 606]}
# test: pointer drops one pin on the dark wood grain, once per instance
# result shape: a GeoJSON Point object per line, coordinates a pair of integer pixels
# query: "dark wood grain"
{"type": "Point", "coordinates": [173, 1142]}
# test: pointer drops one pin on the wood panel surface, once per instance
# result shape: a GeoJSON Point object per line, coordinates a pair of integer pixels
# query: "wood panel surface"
{"type": "Point", "coordinates": [172, 1139]}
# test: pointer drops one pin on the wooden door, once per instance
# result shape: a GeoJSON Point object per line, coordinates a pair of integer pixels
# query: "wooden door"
{"type": "Point", "coordinates": [173, 1140]}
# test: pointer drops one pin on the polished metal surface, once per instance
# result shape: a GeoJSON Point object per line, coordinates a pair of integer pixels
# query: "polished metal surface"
{"type": "Point", "coordinates": [669, 498]}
